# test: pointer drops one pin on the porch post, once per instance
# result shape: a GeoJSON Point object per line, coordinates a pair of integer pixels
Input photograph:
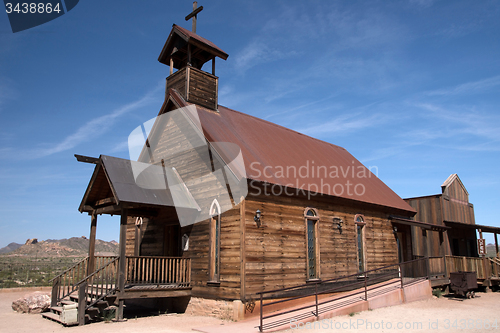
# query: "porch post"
{"type": "Point", "coordinates": [426, 253]}
{"type": "Point", "coordinates": [93, 227]}
{"type": "Point", "coordinates": [137, 244]}
{"type": "Point", "coordinates": [496, 245]}
{"type": "Point", "coordinates": [122, 265]}
{"type": "Point", "coordinates": [480, 237]}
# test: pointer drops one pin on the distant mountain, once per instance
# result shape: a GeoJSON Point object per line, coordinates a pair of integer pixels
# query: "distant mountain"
{"type": "Point", "coordinates": [9, 248]}
{"type": "Point", "coordinates": [491, 250]}
{"type": "Point", "coordinates": [74, 247]}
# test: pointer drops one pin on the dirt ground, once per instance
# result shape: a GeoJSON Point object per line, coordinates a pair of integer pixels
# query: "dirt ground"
{"type": "Point", "coordinates": [13, 322]}
{"type": "Point", "coordinates": [443, 314]}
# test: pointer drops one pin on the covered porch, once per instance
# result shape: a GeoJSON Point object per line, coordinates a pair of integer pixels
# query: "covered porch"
{"type": "Point", "coordinates": [114, 190]}
{"type": "Point", "coordinates": [440, 266]}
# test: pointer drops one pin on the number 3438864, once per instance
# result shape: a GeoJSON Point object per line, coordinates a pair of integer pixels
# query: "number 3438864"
{"type": "Point", "coordinates": [32, 8]}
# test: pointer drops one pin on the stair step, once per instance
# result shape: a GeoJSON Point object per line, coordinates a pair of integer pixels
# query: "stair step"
{"type": "Point", "coordinates": [67, 302]}
{"type": "Point", "coordinates": [56, 309]}
{"type": "Point", "coordinates": [52, 316]}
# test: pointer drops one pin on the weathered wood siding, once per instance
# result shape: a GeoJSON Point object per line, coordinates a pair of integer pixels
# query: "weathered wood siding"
{"type": "Point", "coordinates": [179, 145]}
{"type": "Point", "coordinates": [455, 203]}
{"type": "Point", "coordinates": [202, 88]}
{"type": "Point", "coordinates": [178, 81]}
{"type": "Point", "coordinates": [428, 209]}
{"type": "Point", "coordinates": [195, 86]}
{"type": "Point", "coordinates": [151, 237]}
{"type": "Point", "coordinates": [456, 190]}
{"type": "Point", "coordinates": [198, 233]}
{"type": "Point", "coordinates": [455, 210]}
{"type": "Point", "coordinates": [276, 251]}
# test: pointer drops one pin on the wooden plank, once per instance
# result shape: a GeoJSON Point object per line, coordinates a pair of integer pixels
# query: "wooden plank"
{"type": "Point", "coordinates": [93, 226]}
{"type": "Point", "coordinates": [105, 202]}
{"type": "Point", "coordinates": [122, 260]}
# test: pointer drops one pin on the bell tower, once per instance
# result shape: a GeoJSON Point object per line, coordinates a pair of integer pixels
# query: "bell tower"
{"type": "Point", "coordinates": [187, 52]}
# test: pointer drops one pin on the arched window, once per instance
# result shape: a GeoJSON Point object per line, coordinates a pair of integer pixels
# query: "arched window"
{"type": "Point", "coordinates": [214, 246]}
{"type": "Point", "coordinates": [360, 241]}
{"type": "Point", "coordinates": [312, 218]}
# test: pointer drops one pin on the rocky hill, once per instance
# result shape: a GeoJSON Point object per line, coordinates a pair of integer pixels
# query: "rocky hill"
{"type": "Point", "coordinates": [9, 248]}
{"type": "Point", "coordinates": [73, 247]}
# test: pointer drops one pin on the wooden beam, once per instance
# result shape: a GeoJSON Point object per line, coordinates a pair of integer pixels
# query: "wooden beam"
{"type": "Point", "coordinates": [93, 228]}
{"type": "Point", "coordinates": [123, 263]}
{"type": "Point", "coordinates": [143, 212]}
{"type": "Point", "coordinates": [426, 252]}
{"type": "Point", "coordinates": [496, 245]}
{"type": "Point", "coordinates": [105, 202]}
{"type": "Point", "coordinates": [242, 249]}
{"type": "Point", "coordinates": [134, 294]}
{"type": "Point", "coordinates": [194, 14]}
{"type": "Point", "coordinates": [481, 237]}
{"type": "Point", "coordinates": [87, 159]}
{"type": "Point", "coordinates": [115, 209]}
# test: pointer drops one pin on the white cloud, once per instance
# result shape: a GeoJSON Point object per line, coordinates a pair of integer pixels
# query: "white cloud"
{"type": "Point", "coordinates": [468, 88]}
{"type": "Point", "coordinates": [344, 124]}
{"type": "Point", "coordinates": [96, 126]}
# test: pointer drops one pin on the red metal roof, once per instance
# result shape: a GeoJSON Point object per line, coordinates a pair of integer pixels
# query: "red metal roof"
{"type": "Point", "coordinates": [281, 156]}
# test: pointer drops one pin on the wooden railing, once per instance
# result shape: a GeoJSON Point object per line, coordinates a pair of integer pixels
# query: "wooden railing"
{"type": "Point", "coordinates": [437, 266]}
{"type": "Point", "coordinates": [495, 267]}
{"type": "Point", "coordinates": [66, 282]}
{"type": "Point", "coordinates": [159, 270]}
{"type": "Point", "coordinates": [361, 285]}
{"type": "Point", "coordinates": [95, 287]}
{"type": "Point", "coordinates": [467, 264]}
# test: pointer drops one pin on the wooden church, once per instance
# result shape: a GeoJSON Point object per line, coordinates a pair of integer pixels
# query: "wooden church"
{"type": "Point", "coordinates": [311, 212]}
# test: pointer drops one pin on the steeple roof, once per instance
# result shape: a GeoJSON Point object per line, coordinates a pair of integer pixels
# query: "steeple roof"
{"type": "Point", "coordinates": [176, 47]}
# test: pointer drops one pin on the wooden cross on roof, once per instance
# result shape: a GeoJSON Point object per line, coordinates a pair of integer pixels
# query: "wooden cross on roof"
{"type": "Point", "coordinates": [194, 14]}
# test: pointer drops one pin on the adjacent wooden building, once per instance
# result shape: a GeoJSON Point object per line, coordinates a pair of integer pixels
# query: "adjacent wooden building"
{"type": "Point", "coordinates": [450, 208]}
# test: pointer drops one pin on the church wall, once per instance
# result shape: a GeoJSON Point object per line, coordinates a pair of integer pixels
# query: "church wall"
{"type": "Point", "coordinates": [198, 233]}
{"type": "Point", "coordinates": [275, 252]}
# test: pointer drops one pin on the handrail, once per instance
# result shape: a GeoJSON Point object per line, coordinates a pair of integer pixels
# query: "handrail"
{"type": "Point", "coordinates": [96, 286]}
{"type": "Point", "coordinates": [96, 271]}
{"type": "Point", "coordinates": [402, 274]}
{"type": "Point", "coordinates": [62, 285]}
{"type": "Point", "coordinates": [339, 278]}
{"type": "Point", "coordinates": [69, 269]}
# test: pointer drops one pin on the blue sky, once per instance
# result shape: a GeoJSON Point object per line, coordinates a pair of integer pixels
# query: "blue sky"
{"type": "Point", "coordinates": [410, 87]}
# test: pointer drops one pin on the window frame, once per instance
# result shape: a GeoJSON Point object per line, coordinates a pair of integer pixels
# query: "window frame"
{"type": "Point", "coordinates": [315, 219]}
{"type": "Point", "coordinates": [214, 244]}
{"type": "Point", "coordinates": [360, 222]}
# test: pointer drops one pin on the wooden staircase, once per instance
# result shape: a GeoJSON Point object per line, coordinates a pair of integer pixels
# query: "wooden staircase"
{"type": "Point", "coordinates": [66, 312]}
{"type": "Point", "coordinates": [77, 300]}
